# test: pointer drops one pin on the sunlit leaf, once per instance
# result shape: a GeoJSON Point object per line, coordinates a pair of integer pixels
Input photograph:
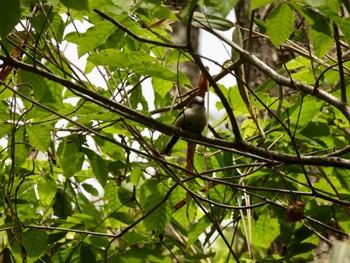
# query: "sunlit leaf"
{"type": "Point", "coordinates": [279, 24]}
{"type": "Point", "coordinates": [39, 136]}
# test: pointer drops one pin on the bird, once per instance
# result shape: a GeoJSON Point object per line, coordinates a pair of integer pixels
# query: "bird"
{"type": "Point", "coordinates": [192, 118]}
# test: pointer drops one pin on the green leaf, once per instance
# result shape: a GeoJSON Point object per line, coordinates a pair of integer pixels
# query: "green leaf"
{"type": "Point", "coordinates": [70, 158]}
{"type": "Point", "coordinates": [62, 206]}
{"type": "Point", "coordinates": [90, 189]}
{"type": "Point", "coordinates": [196, 230]}
{"type": "Point", "coordinates": [112, 198]}
{"type": "Point", "coordinates": [86, 254]}
{"type": "Point", "coordinates": [160, 218]}
{"type": "Point", "coordinates": [77, 5]}
{"type": "Point", "coordinates": [320, 31]}
{"type": "Point", "coordinates": [35, 242]}
{"type": "Point", "coordinates": [44, 92]}
{"type": "Point", "coordinates": [161, 86]}
{"type": "Point", "coordinates": [220, 7]}
{"type": "Point", "coordinates": [92, 38]}
{"type": "Point", "coordinates": [135, 174]}
{"type": "Point", "coordinates": [300, 248]}
{"type": "Point", "coordinates": [315, 130]}
{"type": "Point", "coordinates": [39, 136]}
{"type": "Point", "coordinates": [98, 165]}
{"type": "Point", "coordinates": [21, 147]}
{"type": "Point", "coordinates": [123, 217]}
{"type": "Point", "coordinates": [264, 231]}
{"type": "Point", "coordinates": [47, 189]}
{"type": "Point", "coordinates": [255, 4]}
{"type": "Point", "coordinates": [9, 16]}
{"type": "Point", "coordinates": [316, 3]}
{"type": "Point", "coordinates": [279, 24]}
{"type": "Point", "coordinates": [342, 23]}
{"type": "Point", "coordinates": [121, 59]}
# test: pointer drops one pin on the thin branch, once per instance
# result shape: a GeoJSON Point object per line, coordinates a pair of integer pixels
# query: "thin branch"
{"type": "Point", "coordinates": [144, 40]}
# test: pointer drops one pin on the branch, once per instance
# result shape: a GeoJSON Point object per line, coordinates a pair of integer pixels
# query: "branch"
{"type": "Point", "coordinates": [243, 148]}
{"type": "Point", "coordinates": [144, 40]}
{"type": "Point", "coordinates": [285, 81]}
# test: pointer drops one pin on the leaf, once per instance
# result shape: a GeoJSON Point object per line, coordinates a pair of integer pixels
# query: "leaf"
{"type": "Point", "coordinates": [86, 254]}
{"type": "Point", "coordinates": [77, 5]}
{"type": "Point", "coordinates": [21, 148]}
{"type": "Point", "coordinates": [135, 175]}
{"type": "Point", "coordinates": [210, 21]}
{"type": "Point", "coordinates": [197, 229]}
{"type": "Point", "coordinates": [320, 31]}
{"type": "Point", "coordinates": [161, 86]}
{"type": "Point", "coordinates": [300, 248]}
{"type": "Point", "coordinates": [98, 165]}
{"type": "Point", "coordinates": [70, 158]}
{"type": "Point", "coordinates": [255, 4]}
{"type": "Point", "coordinates": [39, 136]}
{"type": "Point", "coordinates": [221, 7]}
{"type": "Point", "coordinates": [47, 189]}
{"type": "Point", "coordinates": [160, 218]}
{"type": "Point", "coordinates": [279, 24]}
{"type": "Point", "coordinates": [90, 189]}
{"type": "Point", "coordinates": [264, 231]}
{"type": "Point", "coordinates": [342, 23]}
{"type": "Point", "coordinates": [35, 242]}
{"type": "Point", "coordinates": [111, 197]}
{"type": "Point", "coordinates": [122, 59]}
{"type": "Point", "coordinates": [315, 130]}
{"type": "Point", "coordinates": [92, 38]}
{"type": "Point", "coordinates": [44, 92]}
{"type": "Point", "coordinates": [62, 206]}
{"type": "Point", "coordinates": [9, 16]}
{"type": "Point", "coordinates": [123, 217]}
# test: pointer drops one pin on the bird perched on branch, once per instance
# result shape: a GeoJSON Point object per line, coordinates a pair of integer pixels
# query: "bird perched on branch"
{"type": "Point", "coordinates": [192, 119]}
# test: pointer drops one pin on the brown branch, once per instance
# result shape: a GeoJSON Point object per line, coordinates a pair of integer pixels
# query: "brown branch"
{"type": "Point", "coordinates": [244, 148]}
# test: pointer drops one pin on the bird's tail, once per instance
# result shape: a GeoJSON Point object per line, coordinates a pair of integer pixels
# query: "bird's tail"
{"type": "Point", "coordinates": [169, 146]}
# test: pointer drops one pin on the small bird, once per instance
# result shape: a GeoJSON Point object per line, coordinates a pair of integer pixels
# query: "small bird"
{"type": "Point", "coordinates": [192, 119]}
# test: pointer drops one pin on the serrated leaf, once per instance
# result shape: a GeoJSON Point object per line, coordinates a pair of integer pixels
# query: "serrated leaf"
{"type": "Point", "coordinates": [35, 242]}
{"type": "Point", "coordinates": [39, 136]}
{"type": "Point", "coordinates": [93, 37]}
{"type": "Point", "coordinates": [160, 218]}
{"type": "Point", "coordinates": [121, 59]}
{"type": "Point", "coordinates": [279, 24]}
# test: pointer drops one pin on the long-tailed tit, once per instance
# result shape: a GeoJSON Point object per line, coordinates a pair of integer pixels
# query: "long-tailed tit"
{"type": "Point", "coordinates": [192, 119]}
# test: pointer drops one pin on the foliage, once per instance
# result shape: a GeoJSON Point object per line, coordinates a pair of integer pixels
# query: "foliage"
{"type": "Point", "coordinates": [82, 179]}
